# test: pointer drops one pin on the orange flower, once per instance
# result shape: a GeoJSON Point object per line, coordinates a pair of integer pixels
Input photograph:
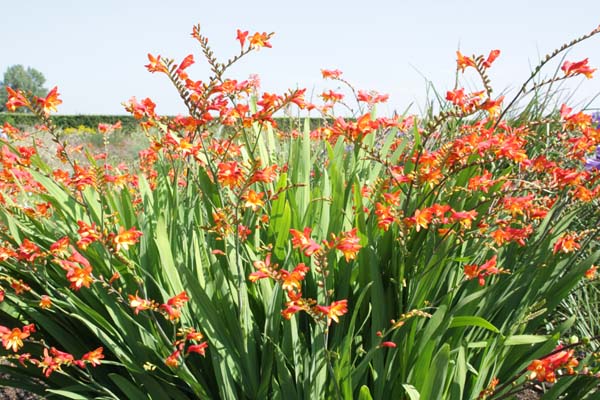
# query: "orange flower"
{"type": "Point", "coordinates": [484, 270]}
{"type": "Point", "coordinates": [126, 238]}
{"type": "Point", "coordinates": [385, 218]}
{"type": "Point", "coordinates": [13, 339]}
{"type": "Point", "coordinates": [463, 62]}
{"type": "Point", "coordinates": [333, 311]}
{"type": "Point", "coordinates": [87, 234]}
{"type": "Point", "coordinates": [492, 106]}
{"type": "Point", "coordinates": [173, 359]}
{"type": "Point", "coordinates": [544, 370]}
{"type": "Point", "coordinates": [349, 244]}
{"type": "Point", "coordinates": [567, 243]}
{"type": "Point", "coordinates": [139, 304]}
{"type": "Point", "coordinates": [259, 40]}
{"type": "Point", "coordinates": [29, 251]}
{"type": "Point", "coordinates": [576, 68]}
{"type": "Point", "coordinates": [45, 302]}
{"type": "Point", "coordinates": [253, 199]}
{"type": "Point", "coordinates": [49, 103]}
{"type": "Point", "coordinates": [422, 218]}
{"type": "Point", "coordinates": [331, 73]}
{"type": "Point", "coordinates": [15, 99]}
{"type": "Point", "coordinates": [303, 241]}
{"type": "Point", "coordinates": [591, 272]}
{"type": "Point", "coordinates": [79, 271]}
{"type": "Point", "coordinates": [155, 64]}
{"type": "Point", "coordinates": [293, 307]}
{"type": "Point", "coordinates": [179, 300]}
{"type": "Point", "coordinates": [292, 281]}
{"type": "Point", "coordinates": [93, 357]}
{"type": "Point", "coordinates": [20, 286]}
{"type": "Point", "coordinates": [60, 247]}
{"type": "Point", "coordinates": [331, 96]}
{"type": "Point", "coordinates": [230, 174]}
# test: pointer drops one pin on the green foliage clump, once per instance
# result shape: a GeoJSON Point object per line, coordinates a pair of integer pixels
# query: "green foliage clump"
{"type": "Point", "coordinates": [367, 257]}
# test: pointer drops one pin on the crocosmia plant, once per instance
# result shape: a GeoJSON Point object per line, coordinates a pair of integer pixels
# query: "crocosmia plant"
{"type": "Point", "coordinates": [347, 255]}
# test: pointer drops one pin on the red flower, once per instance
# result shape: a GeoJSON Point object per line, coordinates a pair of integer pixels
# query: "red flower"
{"type": "Point", "coordinates": [491, 58]}
{"type": "Point", "coordinates": [198, 348]}
{"type": "Point", "coordinates": [179, 300]}
{"type": "Point", "coordinates": [241, 36]}
{"type": "Point", "coordinates": [484, 270]}
{"type": "Point", "coordinates": [576, 68]}
{"type": "Point", "coordinates": [544, 370]}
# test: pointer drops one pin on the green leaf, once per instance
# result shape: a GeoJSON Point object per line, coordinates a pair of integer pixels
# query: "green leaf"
{"type": "Point", "coordinates": [411, 391]}
{"type": "Point", "coordinates": [473, 321]}
{"type": "Point", "coordinates": [67, 394]}
{"type": "Point", "coordinates": [132, 391]}
{"type": "Point", "coordinates": [365, 393]}
{"type": "Point", "coordinates": [433, 389]}
{"type": "Point", "coordinates": [516, 340]}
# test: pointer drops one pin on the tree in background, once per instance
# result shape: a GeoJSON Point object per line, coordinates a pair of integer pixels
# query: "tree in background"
{"type": "Point", "coordinates": [27, 80]}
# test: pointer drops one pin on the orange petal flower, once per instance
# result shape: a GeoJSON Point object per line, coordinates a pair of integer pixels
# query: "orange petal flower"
{"type": "Point", "coordinates": [303, 241]}
{"type": "Point", "coordinates": [463, 62]}
{"type": "Point", "coordinates": [292, 281]}
{"type": "Point", "coordinates": [139, 304]}
{"type": "Point", "coordinates": [93, 357]}
{"type": "Point", "coordinates": [15, 99]}
{"type": "Point", "coordinates": [13, 339]}
{"type": "Point", "coordinates": [331, 73]}
{"type": "Point", "coordinates": [567, 243]}
{"type": "Point", "coordinates": [45, 302]}
{"type": "Point", "coordinates": [349, 244]}
{"type": "Point", "coordinates": [51, 101]}
{"type": "Point", "coordinates": [334, 311]}
{"type": "Point", "coordinates": [126, 238]}
{"type": "Point", "coordinates": [173, 359]}
{"type": "Point", "coordinates": [259, 40]}
{"type": "Point", "coordinates": [155, 64]}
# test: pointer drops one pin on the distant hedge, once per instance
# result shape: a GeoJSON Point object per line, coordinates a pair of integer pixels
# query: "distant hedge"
{"type": "Point", "coordinates": [129, 123]}
{"type": "Point", "coordinates": [69, 121]}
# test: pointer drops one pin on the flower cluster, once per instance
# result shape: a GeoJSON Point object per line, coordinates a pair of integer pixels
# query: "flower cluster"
{"type": "Point", "coordinates": [546, 369]}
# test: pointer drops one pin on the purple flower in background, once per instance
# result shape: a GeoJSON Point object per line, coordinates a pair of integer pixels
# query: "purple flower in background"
{"type": "Point", "coordinates": [596, 119]}
{"type": "Point", "coordinates": [593, 163]}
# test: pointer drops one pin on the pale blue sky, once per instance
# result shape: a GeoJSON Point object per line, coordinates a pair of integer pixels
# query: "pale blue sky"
{"type": "Point", "coordinates": [95, 51]}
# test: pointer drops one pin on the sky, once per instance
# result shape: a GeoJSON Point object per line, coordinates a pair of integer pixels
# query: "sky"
{"type": "Point", "coordinates": [95, 52]}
